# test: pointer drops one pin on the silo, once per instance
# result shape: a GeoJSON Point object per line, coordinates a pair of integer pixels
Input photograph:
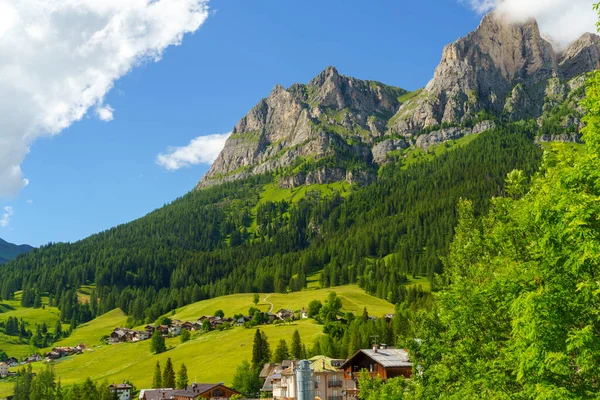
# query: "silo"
{"type": "Point", "coordinates": [305, 381]}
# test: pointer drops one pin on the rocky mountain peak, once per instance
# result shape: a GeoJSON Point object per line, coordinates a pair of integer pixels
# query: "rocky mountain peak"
{"type": "Point", "coordinates": [502, 68]}
{"type": "Point", "coordinates": [583, 55]}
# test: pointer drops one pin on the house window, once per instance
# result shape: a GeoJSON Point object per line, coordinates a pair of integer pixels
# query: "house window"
{"type": "Point", "coordinates": [217, 393]}
{"type": "Point", "coordinates": [318, 393]}
{"type": "Point", "coordinates": [335, 393]}
{"type": "Point", "coordinates": [370, 367]}
{"type": "Point", "coordinates": [318, 378]}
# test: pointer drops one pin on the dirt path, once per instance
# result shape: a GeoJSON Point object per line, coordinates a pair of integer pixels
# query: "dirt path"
{"type": "Point", "coordinates": [268, 302]}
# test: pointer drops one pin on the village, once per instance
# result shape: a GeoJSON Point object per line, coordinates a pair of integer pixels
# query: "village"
{"type": "Point", "coordinates": [203, 324]}
{"type": "Point", "coordinates": [320, 377]}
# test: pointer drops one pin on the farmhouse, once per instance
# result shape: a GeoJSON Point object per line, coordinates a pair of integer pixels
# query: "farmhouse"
{"type": "Point", "coordinates": [379, 361]}
{"type": "Point", "coordinates": [121, 390]}
{"type": "Point", "coordinates": [284, 314]}
{"type": "Point", "coordinates": [205, 391]}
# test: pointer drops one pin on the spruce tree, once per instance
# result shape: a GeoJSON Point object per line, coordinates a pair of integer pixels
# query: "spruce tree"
{"type": "Point", "coordinates": [281, 352]}
{"type": "Point", "coordinates": [168, 377]}
{"type": "Point", "coordinates": [296, 347]}
{"type": "Point", "coordinates": [157, 380]}
{"type": "Point", "coordinates": [182, 377]}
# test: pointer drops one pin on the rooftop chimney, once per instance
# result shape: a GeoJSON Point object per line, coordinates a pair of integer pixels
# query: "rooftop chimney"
{"type": "Point", "coordinates": [374, 348]}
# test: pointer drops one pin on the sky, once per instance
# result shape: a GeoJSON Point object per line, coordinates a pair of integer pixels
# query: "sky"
{"type": "Point", "coordinates": [112, 108]}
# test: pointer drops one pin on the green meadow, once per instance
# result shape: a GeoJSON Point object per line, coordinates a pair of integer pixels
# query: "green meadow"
{"type": "Point", "coordinates": [210, 357]}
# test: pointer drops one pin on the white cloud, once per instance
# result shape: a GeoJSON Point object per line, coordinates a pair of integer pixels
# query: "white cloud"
{"type": "Point", "coordinates": [561, 21]}
{"type": "Point", "coordinates": [105, 113]}
{"type": "Point", "coordinates": [59, 58]}
{"type": "Point", "coordinates": [29, 202]}
{"type": "Point", "coordinates": [201, 150]}
{"type": "Point", "coordinates": [6, 216]}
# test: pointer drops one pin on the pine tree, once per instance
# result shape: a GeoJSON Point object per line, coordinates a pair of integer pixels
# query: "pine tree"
{"type": "Point", "coordinates": [281, 352]}
{"type": "Point", "coordinates": [296, 347]}
{"type": "Point", "coordinates": [261, 351]}
{"type": "Point", "coordinates": [168, 377]}
{"type": "Point", "coordinates": [157, 380]}
{"type": "Point", "coordinates": [182, 377]}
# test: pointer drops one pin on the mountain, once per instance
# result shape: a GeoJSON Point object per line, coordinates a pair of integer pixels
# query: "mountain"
{"type": "Point", "coordinates": [333, 118]}
{"type": "Point", "coordinates": [350, 179]}
{"type": "Point", "coordinates": [338, 128]}
{"type": "Point", "coordinates": [9, 251]}
{"type": "Point", "coordinates": [501, 69]}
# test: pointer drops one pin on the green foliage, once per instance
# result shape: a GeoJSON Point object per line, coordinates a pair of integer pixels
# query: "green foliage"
{"type": "Point", "coordinates": [246, 380]}
{"type": "Point", "coordinates": [157, 379]}
{"type": "Point", "coordinates": [296, 347]}
{"type": "Point", "coordinates": [182, 377]}
{"type": "Point", "coordinates": [281, 352]}
{"type": "Point", "coordinates": [331, 308]}
{"type": "Point", "coordinates": [168, 376]}
{"type": "Point", "coordinates": [314, 308]}
{"type": "Point", "coordinates": [376, 389]}
{"type": "Point", "coordinates": [185, 336]}
{"type": "Point", "coordinates": [519, 312]}
{"type": "Point", "coordinates": [219, 313]}
{"type": "Point", "coordinates": [157, 343]}
{"type": "Point", "coordinates": [261, 350]}
{"type": "Point", "coordinates": [255, 299]}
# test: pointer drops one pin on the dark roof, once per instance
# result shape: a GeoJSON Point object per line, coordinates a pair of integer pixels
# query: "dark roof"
{"type": "Point", "coordinates": [196, 389]}
{"type": "Point", "coordinates": [156, 394]}
{"type": "Point", "coordinates": [267, 370]}
{"type": "Point", "coordinates": [387, 358]}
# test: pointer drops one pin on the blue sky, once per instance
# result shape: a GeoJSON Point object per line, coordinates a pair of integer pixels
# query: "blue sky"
{"type": "Point", "coordinates": [97, 174]}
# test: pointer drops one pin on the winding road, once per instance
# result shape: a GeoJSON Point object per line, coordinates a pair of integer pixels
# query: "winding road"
{"type": "Point", "coordinates": [268, 302]}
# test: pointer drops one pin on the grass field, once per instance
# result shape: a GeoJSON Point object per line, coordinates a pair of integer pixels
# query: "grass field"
{"type": "Point", "coordinates": [133, 361]}
{"type": "Point", "coordinates": [353, 298]}
{"type": "Point", "coordinates": [32, 316]}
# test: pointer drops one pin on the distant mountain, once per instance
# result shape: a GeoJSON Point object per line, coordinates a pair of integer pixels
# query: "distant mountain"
{"type": "Point", "coordinates": [338, 128]}
{"type": "Point", "coordinates": [9, 251]}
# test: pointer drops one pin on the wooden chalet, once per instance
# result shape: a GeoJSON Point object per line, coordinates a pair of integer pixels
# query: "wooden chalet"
{"type": "Point", "coordinates": [379, 361]}
{"type": "Point", "coordinates": [205, 391]}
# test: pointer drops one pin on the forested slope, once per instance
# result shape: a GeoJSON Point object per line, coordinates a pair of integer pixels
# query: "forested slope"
{"type": "Point", "coordinates": [217, 241]}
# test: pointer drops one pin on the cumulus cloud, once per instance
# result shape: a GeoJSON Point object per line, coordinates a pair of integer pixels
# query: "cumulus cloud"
{"type": "Point", "coordinates": [6, 216]}
{"type": "Point", "coordinates": [561, 21]}
{"type": "Point", "coordinates": [201, 150]}
{"type": "Point", "coordinates": [105, 113]}
{"type": "Point", "coordinates": [59, 58]}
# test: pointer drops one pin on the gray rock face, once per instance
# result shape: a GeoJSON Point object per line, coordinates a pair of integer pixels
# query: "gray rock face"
{"type": "Point", "coordinates": [333, 115]}
{"type": "Point", "coordinates": [444, 135]}
{"type": "Point", "coordinates": [502, 68]}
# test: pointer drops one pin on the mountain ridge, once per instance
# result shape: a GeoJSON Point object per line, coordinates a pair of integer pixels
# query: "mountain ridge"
{"type": "Point", "coordinates": [9, 251]}
{"type": "Point", "coordinates": [501, 70]}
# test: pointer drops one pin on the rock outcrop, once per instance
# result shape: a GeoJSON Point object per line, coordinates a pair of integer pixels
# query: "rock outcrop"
{"type": "Point", "coordinates": [339, 128]}
{"type": "Point", "coordinates": [501, 68]}
{"type": "Point", "coordinates": [331, 116]}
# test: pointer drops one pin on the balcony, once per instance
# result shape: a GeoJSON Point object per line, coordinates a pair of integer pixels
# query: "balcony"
{"type": "Point", "coordinates": [335, 397]}
{"type": "Point", "coordinates": [334, 384]}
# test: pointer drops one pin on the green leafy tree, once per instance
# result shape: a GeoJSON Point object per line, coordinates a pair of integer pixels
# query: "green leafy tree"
{"type": "Point", "coordinates": [185, 336]}
{"type": "Point", "coordinates": [168, 377]}
{"type": "Point", "coordinates": [219, 313]}
{"type": "Point", "coordinates": [157, 343]}
{"type": "Point", "coordinates": [255, 299]}
{"type": "Point", "coordinates": [330, 310]}
{"type": "Point", "coordinates": [314, 307]}
{"type": "Point", "coordinates": [246, 380]}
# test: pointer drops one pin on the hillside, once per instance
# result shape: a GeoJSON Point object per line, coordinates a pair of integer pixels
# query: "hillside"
{"type": "Point", "coordinates": [320, 177]}
{"type": "Point", "coordinates": [133, 361]}
{"type": "Point", "coordinates": [9, 251]}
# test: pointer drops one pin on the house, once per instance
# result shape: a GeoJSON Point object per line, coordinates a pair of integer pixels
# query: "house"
{"type": "Point", "coordinates": [3, 369]}
{"type": "Point", "coordinates": [329, 379]}
{"type": "Point", "coordinates": [187, 326]}
{"type": "Point", "coordinates": [174, 330]}
{"type": "Point", "coordinates": [122, 390]}
{"type": "Point", "coordinates": [205, 391]}
{"type": "Point", "coordinates": [32, 358]}
{"type": "Point", "coordinates": [389, 317]}
{"type": "Point", "coordinates": [379, 361]}
{"type": "Point", "coordinates": [304, 313]}
{"type": "Point", "coordinates": [118, 335]}
{"type": "Point", "coordinates": [284, 314]}
{"type": "Point", "coordinates": [156, 394]}
{"type": "Point", "coordinates": [12, 362]}
{"type": "Point", "coordinates": [284, 384]}
{"type": "Point", "coordinates": [163, 329]}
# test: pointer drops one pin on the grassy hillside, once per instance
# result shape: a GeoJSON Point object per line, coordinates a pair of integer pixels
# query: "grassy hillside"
{"type": "Point", "coordinates": [133, 361]}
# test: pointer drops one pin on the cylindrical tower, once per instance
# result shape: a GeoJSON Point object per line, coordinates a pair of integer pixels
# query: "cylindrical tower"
{"type": "Point", "coordinates": [305, 381]}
